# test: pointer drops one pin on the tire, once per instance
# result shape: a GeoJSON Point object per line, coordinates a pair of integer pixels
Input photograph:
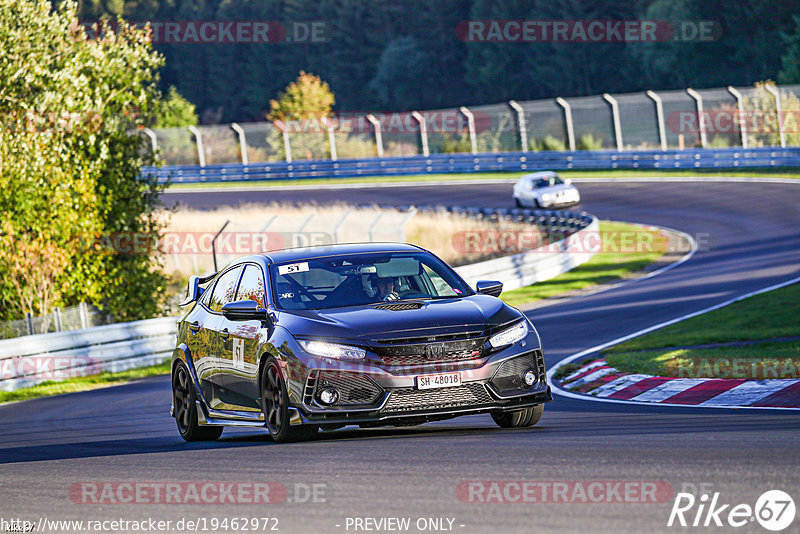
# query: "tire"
{"type": "Point", "coordinates": [275, 406]}
{"type": "Point", "coordinates": [520, 418]}
{"type": "Point", "coordinates": [518, 203]}
{"type": "Point", "coordinates": [184, 402]}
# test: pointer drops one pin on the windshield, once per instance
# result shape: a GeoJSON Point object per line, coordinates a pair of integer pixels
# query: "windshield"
{"type": "Point", "coordinates": [359, 279]}
{"type": "Point", "coordinates": [547, 181]}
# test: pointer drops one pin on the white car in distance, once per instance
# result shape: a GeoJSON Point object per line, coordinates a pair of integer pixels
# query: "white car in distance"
{"type": "Point", "coordinates": [544, 190]}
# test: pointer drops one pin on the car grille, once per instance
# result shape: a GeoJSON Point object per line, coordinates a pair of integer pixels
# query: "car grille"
{"type": "Point", "coordinates": [400, 306]}
{"type": "Point", "coordinates": [353, 388]}
{"type": "Point", "coordinates": [410, 399]}
{"type": "Point", "coordinates": [414, 351]}
{"type": "Point", "coordinates": [509, 376]}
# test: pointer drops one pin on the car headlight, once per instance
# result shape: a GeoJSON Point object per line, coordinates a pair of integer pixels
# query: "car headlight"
{"type": "Point", "coordinates": [510, 335]}
{"type": "Point", "coordinates": [546, 197]}
{"type": "Point", "coordinates": [333, 350]}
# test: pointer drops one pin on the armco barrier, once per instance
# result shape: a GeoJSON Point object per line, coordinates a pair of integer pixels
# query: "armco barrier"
{"type": "Point", "coordinates": [467, 163]}
{"type": "Point", "coordinates": [29, 360]}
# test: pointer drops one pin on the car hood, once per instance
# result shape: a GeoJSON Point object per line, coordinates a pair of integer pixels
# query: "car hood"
{"type": "Point", "coordinates": [556, 189]}
{"type": "Point", "coordinates": [435, 317]}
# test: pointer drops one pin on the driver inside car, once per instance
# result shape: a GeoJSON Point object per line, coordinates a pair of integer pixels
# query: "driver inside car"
{"type": "Point", "coordinates": [385, 289]}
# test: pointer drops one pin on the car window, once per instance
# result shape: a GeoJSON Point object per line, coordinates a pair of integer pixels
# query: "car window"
{"type": "Point", "coordinates": [224, 289]}
{"type": "Point", "coordinates": [361, 279]}
{"type": "Point", "coordinates": [252, 285]}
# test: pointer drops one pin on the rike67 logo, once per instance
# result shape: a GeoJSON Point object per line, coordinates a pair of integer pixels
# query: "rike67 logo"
{"type": "Point", "coordinates": [774, 510]}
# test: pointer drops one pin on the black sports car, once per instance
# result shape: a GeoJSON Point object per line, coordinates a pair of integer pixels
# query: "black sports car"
{"type": "Point", "coordinates": [364, 334]}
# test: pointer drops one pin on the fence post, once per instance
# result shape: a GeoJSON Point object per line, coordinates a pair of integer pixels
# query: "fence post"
{"type": "Point", "coordinates": [339, 225]}
{"type": "Point", "coordinates": [701, 123]}
{"type": "Point", "coordinates": [774, 91]}
{"type": "Point", "coordinates": [473, 136]}
{"type": "Point", "coordinates": [83, 311]}
{"type": "Point", "coordinates": [287, 147]}
{"type": "Point", "coordinates": [740, 106]}
{"type": "Point", "coordinates": [568, 122]}
{"type": "Point", "coordinates": [376, 124]}
{"type": "Point", "coordinates": [201, 153]}
{"type": "Point", "coordinates": [242, 141]}
{"type": "Point", "coordinates": [57, 319]}
{"type": "Point", "coordinates": [522, 127]}
{"type": "Point", "coordinates": [615, 119]}
{"type": "Point", "coordinates": [331, 136]}
{"type": "Point", "coordinates": [662, 133]}
{"type": "Point", "coordinates": [29, 323]}
{"type": "Point", "coordinates": [153, 139]}
{"type": "Point", "coordinates": [371, 229]}
{"type": "Point", "coordinates": [423, 132]}
{"type": "Point", "coordinates": [406, 220]}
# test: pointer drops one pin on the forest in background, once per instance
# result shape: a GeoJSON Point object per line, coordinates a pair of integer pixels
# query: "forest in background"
{"type": "Point", "coordinates": [393, 56]}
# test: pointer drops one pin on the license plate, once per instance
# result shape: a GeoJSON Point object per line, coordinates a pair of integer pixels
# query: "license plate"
{"type": "Point", "coordinates": [439, 380]}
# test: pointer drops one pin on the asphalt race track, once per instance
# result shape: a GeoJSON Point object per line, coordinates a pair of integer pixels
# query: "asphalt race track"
{"type": "Point", "coordinates": [749, 237]}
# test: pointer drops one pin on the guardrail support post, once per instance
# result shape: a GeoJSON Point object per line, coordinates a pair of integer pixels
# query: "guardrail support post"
{"type": "Point", "coordinates": [57, 319]}
{"type": "Point", "coordinates": [331, 136]}
{"type": "Point", "coordinates": [376, 124]}
{"type": "Point", "coordinates": [83, 311]}
{"type": "Point", "coordinates": [287, 147]}
{"type": "Point", "coordinates": [473, 136]}
{"type": "Point", "coordinates": [522, 127]}
{"type": "Point", "coordinates": [423, 132]}
{"type": "Point", "coordinates": [242, 141]}
{"type": "Point", "coordinates": [774, 91]}
{"type": "Point", "coordinates": [29, 323]}
{"type": "Point", "coordinates": [615, 119]}
{"type": "Point", "coordinates": [701, 122]}
{"type": "Point", "coordinates": [153, 139]}
{"type": "Point", "coordinates": [568, 122]}
{"type": "Point", "coordinates": [662, 132]}
{"type": "Point", "coordinates": [201, 153]}
{"type": "Point", "coordinates": [740, 106]}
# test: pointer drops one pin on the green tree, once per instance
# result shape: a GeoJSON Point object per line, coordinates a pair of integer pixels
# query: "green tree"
{"type": "Point", "coordinates": [308, 97]}
{"type": "Point", "coordinates": [175, 111]}
{"type": "Point", "coordinates": [790, 73]}
{"type": "Point", "coordinates": [71, 159]}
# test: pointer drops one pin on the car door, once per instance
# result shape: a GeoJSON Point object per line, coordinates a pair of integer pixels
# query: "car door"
{"type": "Point", "coordinates": [239, 362]}
{"type": "Point", "coordinates": [201, 326]}
{"type": "Point", "coordinates": [224, 291]}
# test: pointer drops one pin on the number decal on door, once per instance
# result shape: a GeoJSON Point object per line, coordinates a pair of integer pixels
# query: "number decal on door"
{"type": "Point", "coordinates": [238, 353]}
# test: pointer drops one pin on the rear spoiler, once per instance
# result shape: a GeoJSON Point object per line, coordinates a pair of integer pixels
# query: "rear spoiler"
{"type": "Point", "coordinates": [193, 290]}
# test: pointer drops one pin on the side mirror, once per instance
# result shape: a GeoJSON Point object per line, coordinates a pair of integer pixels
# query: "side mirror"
{"type": "Point", "coordinates": [489, 287]}
{"type": "Point", "coordinates": [568, 181]}
{"type": "Point", "coordinates": [244, 310]}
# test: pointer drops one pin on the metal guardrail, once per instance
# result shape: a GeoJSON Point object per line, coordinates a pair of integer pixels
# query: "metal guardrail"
{"type": "Point", "coordinates": [467, 163]}
{"type": "Point", "coordinates": [30, 360]}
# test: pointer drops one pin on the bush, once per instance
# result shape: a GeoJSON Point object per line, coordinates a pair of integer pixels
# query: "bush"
{"type": "Point", "coordinates": [70, 171]}
{"type": "Point", "coordinates": [589, 142]}
{"type": "Point", "coordinates": [547, 143]}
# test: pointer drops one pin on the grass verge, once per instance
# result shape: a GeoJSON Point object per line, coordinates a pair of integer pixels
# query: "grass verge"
{"type": "Point", "coordinates": [617, 260]}
{"type": "Point", "coordinates": [780, 172]}
{"type": "Point", "coordinates": [53, 387]}
{"type": "Point", "coordinates": [673, 351]}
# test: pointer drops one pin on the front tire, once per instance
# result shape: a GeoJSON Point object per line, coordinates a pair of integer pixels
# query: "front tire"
{"type": "Point", "coordinates": [184, 401]}
{"type": "Point", "coordinates": [520, 418]}
{"type": "Point", "coordinates": [518, 203]}
{"type": "Point", "coordinates": [275, 406]}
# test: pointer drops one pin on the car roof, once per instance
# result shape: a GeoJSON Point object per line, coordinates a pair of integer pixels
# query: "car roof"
{"type": "Point", "coordinates": [305, 253]}
{"type": "Point", "coordinates": [537, 175]}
